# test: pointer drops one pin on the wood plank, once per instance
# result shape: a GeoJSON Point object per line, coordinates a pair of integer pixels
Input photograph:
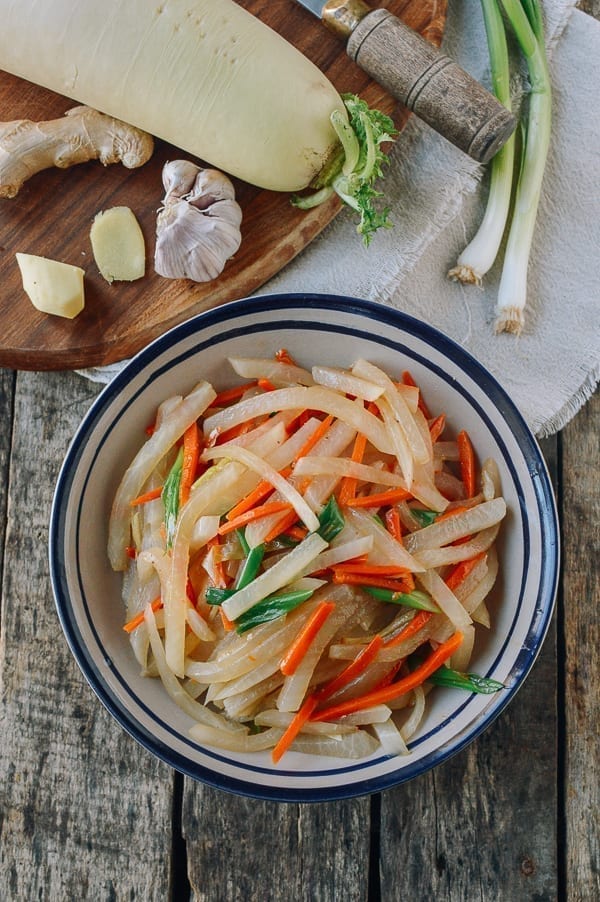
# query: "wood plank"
{"type": "Point", "coordinates": [242, 850]}
{"type": "Point", "coordinates": [580, 643]}
{"type": "Point", "coordinates": [482, 826]}
{"type": "Point", "coordinates": [7, 388]}
{"type": "Point", "coordinates": [85, 813]}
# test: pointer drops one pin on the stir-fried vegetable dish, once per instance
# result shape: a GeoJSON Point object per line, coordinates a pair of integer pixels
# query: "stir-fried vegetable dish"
{"type": "Point", "coordinates": [306, 555]}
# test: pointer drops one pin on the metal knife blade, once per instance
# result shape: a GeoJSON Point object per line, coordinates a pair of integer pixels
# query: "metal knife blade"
{"type": "Point", "coordinates": [419, 75]}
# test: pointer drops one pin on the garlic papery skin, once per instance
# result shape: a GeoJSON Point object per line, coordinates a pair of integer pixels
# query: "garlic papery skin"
{"type": "Point", "coordinates": [198, 227]}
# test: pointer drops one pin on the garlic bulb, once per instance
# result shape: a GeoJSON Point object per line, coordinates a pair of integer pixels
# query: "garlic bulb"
{"type": "Point", "coordinates": [198, 226]}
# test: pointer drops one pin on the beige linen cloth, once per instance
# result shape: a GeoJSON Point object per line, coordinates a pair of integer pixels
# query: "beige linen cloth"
{"type": "Point", "coordinates": [437, 197]}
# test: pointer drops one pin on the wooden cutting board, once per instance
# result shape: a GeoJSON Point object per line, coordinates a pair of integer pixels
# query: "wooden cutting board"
{"type": "Point", "coordinates": [52, 214]}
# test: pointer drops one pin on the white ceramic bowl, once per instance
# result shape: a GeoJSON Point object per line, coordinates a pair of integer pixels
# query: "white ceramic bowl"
{"type": "Point", "coordinates": [315, 329]}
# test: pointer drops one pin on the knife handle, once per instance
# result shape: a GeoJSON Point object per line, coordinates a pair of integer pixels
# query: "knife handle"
{"type": "Point", "coordinates": [426, 81]}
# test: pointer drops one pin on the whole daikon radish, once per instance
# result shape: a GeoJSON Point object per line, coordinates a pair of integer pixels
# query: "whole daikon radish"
{"type": "Point", "coordinates": [204, 75]}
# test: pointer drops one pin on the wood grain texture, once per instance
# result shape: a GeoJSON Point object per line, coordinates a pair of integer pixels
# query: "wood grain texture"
{"type": "Point", "coordinates": [581, 642]}
{"type": "Point", "coordinates": [52, 214]}
{"type": "Point", "coordinates": [85, 813]}
{"type": "Point", "coordinates": [260, 851]}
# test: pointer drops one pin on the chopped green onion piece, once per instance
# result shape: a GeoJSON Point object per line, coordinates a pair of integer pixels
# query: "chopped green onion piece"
{"type": "Point", "coordinates": [415, 599]}
{"type": "Point", "coordinates": [423, 517]}
{"type": "Point", "coordinates": [270, 608]}
{"type": "Point", "coordinates": [241, 534]}
{"type": "Point", "coordinates": [471, 682]}
{"type": "Point", "coordinates": [331, 520]}
{"type": "Point", "coordinates": [170, 497]}
{"type": "Point", "coordinates": [249, 569]}
{"type": "Point", "coordinates": [216, 595]}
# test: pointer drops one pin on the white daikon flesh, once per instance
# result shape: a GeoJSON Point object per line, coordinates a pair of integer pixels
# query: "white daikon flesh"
{"type": "Point", "coordinates": [204, 75]}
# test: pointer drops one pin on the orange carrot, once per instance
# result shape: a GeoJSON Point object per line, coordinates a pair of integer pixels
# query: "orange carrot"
{"type": "Point", "coordinates": [294, 727]}
{"type": "Point", "coordinates": [266, 385]}
{"type": "Point", "coordinates": [436, 427]}
{"type": "Point", "coordinates": [394, 524]}
{"type": "Point", "coordinates": [221, 580]}
{"type": "Point", "coordinates": [411, 629]}
{"type": "Point", "coordinates": [316, 436]}
{"type": "Point", "coordinates": [349, 483]}
{"type": "Point", "coordinates": [297, 532]}
{"type": "Point", "coordinates": [271, 507]}
{"type": "Point", "coordinates": [462, 570]}
{"type": "Point", "coordinates": [234, 432]}
{"type": "Point", "coordinates": [400, 687]}
{"type": "Point", "coordinates": [459, 509]}
{"type": "Point", "coordinates": [466, 456]}
{"type": "Point", "coordinates": [357, 579]}
{"type": "Point", "coordinates": [262, 491]}
{"type": "Point", "coordinates": [366, 569]}
{"type": "Point", "coordinates": [139, 618]}
{"type": "Point", "coordinates": [305, 638]}
{"type": "Point", "coordinates": [228, 624]}
{"type": "Point", "coordinates": [232, 394]}
{"type": "Point", "coordinates": [281, 526]}
{"type": "Point", "coordinates": [367, 654]}
{"type": "Point", "coordinates": [151, 495]}
{"type": "Point", "coordinates": [283, 356]}
{"type": "Point", "coordinates": [131, 552]}
{"type": "Point", "coordinates": [407, 379]}
{"type": "Point", "coordinates": [380, 499]}
{"type": "Point", "coordinates": [191, 454]}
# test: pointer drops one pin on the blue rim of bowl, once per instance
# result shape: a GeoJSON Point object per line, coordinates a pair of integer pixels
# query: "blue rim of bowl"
{"type": "Point", "coordinates": [548, 521]}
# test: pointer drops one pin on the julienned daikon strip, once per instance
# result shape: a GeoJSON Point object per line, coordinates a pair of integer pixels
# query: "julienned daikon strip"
{"type": "Point", "coordinates": [264, 470]}
{"type": "Point", "coordinates": [303, 398]}
{"type": "Point", "coordinates": [386, 550]}
{"type": "Point", "coordinates": [276, 577]}
{"type": "Point", "coordinates": [342, 381]}
{"type": "Point", "coordinates": [343, 466]}
{"type": "Point", "coordinates": [147, 458]}
{"type": "Point", "coordinates": [458, 526]}
{"type": "Point", "coordinates": [445, 599]}
{"type": "Point", "coordinates": [453, 554]}
{"type": "Point", "coordinates": [275, 371]}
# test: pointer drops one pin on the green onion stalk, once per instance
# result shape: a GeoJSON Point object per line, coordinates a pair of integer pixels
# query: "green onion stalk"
{"type": "Point", "coordinates": [479, 255]}
{"type": "Point", "coordinates": [526, 19]}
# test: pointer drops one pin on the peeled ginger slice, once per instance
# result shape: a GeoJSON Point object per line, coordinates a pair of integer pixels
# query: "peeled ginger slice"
{"type": "Point", "coordinates": [118, 245]}
{"type": "Point", "coordinates": [52, 287]}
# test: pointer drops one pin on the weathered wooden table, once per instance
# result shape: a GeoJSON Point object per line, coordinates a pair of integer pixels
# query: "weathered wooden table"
{"type": "Point", "coordinates": [86, 814]}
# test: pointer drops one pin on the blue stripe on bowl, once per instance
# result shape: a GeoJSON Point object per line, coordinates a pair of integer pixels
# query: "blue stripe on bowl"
{"type": "Point", "coordinates": [367, 311]}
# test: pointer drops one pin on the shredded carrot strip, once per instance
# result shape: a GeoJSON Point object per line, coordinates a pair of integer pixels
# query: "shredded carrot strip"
{"type": "Point", "coordinates": [367, 654]}
{"type": "Point", "coordinates": [372, 569]}
{"type": "Point", "coordinates": [466, 456]}
{"type": "Point", "coordinates": [394, 524]}
{"type": "Point", "coordinates": [400, 687]}
{"type": "Point", "coordinates": [234, 432]}
{"type": "Point", "coordinates": [411, 629]}
{"type": "Point", "coordinates": [151, 495]}
{"type": "Point", "coordinates": [462, 570]}
{"type": "Point", "coordinates": [447, 514]}
{"type": "Point", "coordinates": [407, 379]}
{"type": "Point", "coordinates": [304, 639]}
{"type": "Point", "coordinates": [271, 507]}
{"type": "Point", "coordinates": [436, 427]}
{"type": "Point", "coordinates": [281, 526]}
{"type": "Point", "coordinates": [215, 542]}
{"type": "Point", "coordinates": [131, 552]}
{"type": "Point", "coordinates": [139, 618]}
{"type": "Point", "coordinates": [357, 579]}
{"type": "Point", "coordinates": [191, 454]}
{"type": "Point", "coordinates": [232, 394]}
{"type": "Point", "coordinates": [262, 491]}
{"type": "Point", "coordinates": [266, 385]}
{"type": "Point", "coordinates": [297, 532]}
{"type": "Point", "coordinates": [349, 483]}
{"type": "Point", "coordinates": [380, 498]}
{"type": "Point", "coordinates": [283, 356]}
{"type": "Point", "coordinates": [150, 429]}
{"type": "Point", "coordinates": [294, 728]}
{"type": "Point", "coordinates": [312, 440]}
{"type": "Point", "coordinates": [228, 624]}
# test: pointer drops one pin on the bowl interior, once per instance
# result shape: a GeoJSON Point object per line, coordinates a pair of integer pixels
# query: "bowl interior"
{"type": "Point", "coordinates": [315, 329]}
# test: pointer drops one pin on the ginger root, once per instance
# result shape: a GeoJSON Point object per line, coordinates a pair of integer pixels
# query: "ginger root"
{"type": "Point", "coordinates": [82, 134]}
